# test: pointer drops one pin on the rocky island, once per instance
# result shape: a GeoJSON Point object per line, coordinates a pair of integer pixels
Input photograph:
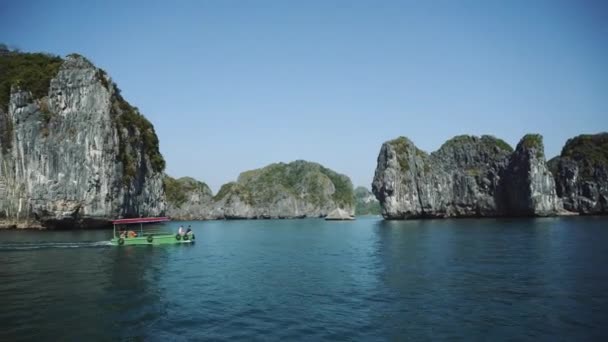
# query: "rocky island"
{"type": "Point", "coordinates": [283, 190]}
{"type": "Point", "coordinates": [473, 176]}
{"type": "Point", "coordinates": [73, 151]}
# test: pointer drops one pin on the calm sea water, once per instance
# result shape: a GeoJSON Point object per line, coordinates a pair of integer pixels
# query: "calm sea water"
{"type": "Point", "coordinates": [522, 279]}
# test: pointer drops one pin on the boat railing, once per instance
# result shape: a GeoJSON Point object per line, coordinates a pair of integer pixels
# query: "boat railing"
{"type": "Point", "coordinates": [137, 225]}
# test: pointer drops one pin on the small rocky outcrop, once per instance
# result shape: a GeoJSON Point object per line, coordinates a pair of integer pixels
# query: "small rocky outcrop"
{"type": "Point", "coordinates": [188, 199]}
{"type": "Point", "coordinates": [466, 177]}
{"type": "Point", "coordinates": [581, 174]}
{"type": "Point", "coordinates": [73, 152]}
{"type": "Point", "coordinates": [366, 202]}
{"type": "Point", "coordinates": [294, 190]}
{"type": "Point", "coordinates": [339, 215]}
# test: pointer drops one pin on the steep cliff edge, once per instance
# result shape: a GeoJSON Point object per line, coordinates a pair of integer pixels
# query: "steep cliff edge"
{"type": "Point", "coordinates": [460, 179]}
{"type": "Point", "coordinates": [581, 174]}
{"type": "Point", "coordinates": [529, 186]}
{"type": "Point", "coordinates": [466, 177]}
{"type": "Point", "coordinates": [73, 152]}
{"type": "Point", "coordinates": [296, 189]}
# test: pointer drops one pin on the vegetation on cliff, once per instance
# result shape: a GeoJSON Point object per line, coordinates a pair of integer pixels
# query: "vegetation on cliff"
{"type": "Point", "coordinates": [534, 141]}
{"type": "Point", "coordinates": [129, 119]}
{"type": "Point", "coordinates": [487, 142]}
{"type": "Point", "coordinates": [401, 146]}
{"type": "Point", "coordinates": [589, 151]}
{"type": "Point", "coordinates": [366, 203]}
{"type": "Point", "coordinates": [177, 190]}
{"type": "Point", "coordinates": [28, 71]}
{"type": "Point", "coordinates": [300, 179]}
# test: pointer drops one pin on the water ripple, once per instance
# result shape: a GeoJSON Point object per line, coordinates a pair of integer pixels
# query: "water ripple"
{"type": "Point", "coordinates": [313, 280]}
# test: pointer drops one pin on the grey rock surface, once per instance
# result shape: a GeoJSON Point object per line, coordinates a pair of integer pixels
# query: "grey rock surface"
{"type": "Point", "coordinates": [465, 177]}
{"type": "Point", "coordinates": [581, 174]}
{"type": "Point", "coordinates": [529, 185]}
{"type": "Point", "coordinates": [62, 166]}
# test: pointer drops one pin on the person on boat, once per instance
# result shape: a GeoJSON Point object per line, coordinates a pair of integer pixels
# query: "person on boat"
{"type": "Point", "coordinates": [180, 231]}
{"type": "Point", "coordinates": [123, 234]}
{"type": "Point", "coordinates": [189, 230]}
{"type": "Point", "coordinates": [132, 234]}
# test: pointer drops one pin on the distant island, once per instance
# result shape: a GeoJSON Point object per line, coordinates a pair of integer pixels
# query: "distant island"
{"type": "Point", "coordinates": [75, 154]}
{"type": "Point", "coordinates": [366, 203]}
{"type": "Point", "coordinates": [294, 190]}
{"type": "Point", "coordinates": [473, 176]}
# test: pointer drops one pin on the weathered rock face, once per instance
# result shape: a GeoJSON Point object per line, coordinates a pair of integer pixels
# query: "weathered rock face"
{"type": "Point", "coordinates": [465, 177]}
{"type": "Point", "coordinates": [79, 155]}
{"type": "Point", "coordinates": [529, 186]}
{"type": "Point", "coordinates": [297, 189]}
{"type": "Point", "coordinates": [581, 174]}
{"type": "Point", "coordinates": [188, 199]}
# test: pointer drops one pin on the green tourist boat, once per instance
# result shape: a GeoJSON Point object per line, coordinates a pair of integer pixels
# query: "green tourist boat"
{"type": "Point", "coordinates": [124, 236]}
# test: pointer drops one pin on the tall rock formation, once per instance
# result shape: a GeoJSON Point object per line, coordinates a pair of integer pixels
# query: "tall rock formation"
{"type": "Point", "coordinates": [581, 174]}
{"type": "Point", "coordinates": [466, 177]}
{"type": "Point", "coordinates": [529, 186]}
{"type": "Point", "coordinates": [73, 151]}
{"type": "Point", "coordinates": [296, 189]}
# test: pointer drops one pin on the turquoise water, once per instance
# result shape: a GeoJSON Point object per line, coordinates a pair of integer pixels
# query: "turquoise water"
{"type": "Point", "coordinates": [524, 279]}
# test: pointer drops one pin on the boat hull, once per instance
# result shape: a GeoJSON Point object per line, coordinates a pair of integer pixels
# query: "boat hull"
{"type": "Point", "coordinates": [164, 239]}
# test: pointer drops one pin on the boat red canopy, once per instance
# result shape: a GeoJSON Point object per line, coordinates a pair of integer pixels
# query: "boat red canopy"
{"type": "Point", "coordinates": [141, 220]}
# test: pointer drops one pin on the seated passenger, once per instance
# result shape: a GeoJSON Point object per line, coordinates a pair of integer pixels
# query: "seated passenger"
{"type": "Point", "coordinates": [180, 231]}
{"type": "Point", "coordinates": [132, 234]}
{"type": "Point", "coordinates": [189, 231]}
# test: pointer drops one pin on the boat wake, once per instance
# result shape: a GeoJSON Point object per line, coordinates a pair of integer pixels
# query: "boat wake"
{"type": "Point", "coordinates": [17, 246]}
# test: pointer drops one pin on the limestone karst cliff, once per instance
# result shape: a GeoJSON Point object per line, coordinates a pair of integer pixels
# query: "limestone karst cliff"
{"type": "Point", "coordinates": [73, 151]}
{"type": "Point", "coordinates": [467, 177]}
{"type": "Point", "coordinates": [529, 187]}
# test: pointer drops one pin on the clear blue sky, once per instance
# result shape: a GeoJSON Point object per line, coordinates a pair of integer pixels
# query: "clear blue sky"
{"type": "Point", "coordinates": [236, 85]}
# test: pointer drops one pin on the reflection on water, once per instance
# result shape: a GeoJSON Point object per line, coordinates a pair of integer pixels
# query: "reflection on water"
{"type": "Point", "coordinates": [486, 279]}
{"type": "Point", "coordinates": [313, 280]}
{"type": "Point", "coordinates": [77, 290]}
